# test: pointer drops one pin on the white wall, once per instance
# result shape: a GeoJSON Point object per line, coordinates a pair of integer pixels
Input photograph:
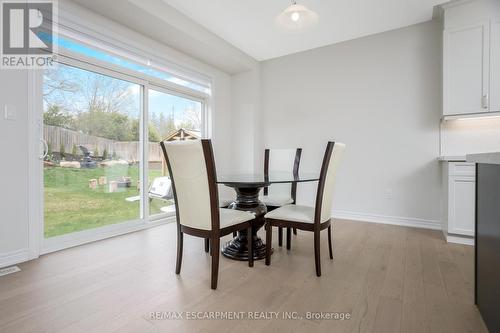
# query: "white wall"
{"type": "Point", "coordinates": [14, 167]}
{"type": "Point", "coordinates": [245, 107]}
{"type": "Point", "coordinates": [14, 135]}
{"type": "Point", "coordinates": [381, 95]}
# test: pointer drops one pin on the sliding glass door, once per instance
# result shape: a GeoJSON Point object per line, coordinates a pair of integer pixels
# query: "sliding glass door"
{"type": "Point", "coordinates": [100, 127]}
{"type": "Point", "coordinates": [92, 169]}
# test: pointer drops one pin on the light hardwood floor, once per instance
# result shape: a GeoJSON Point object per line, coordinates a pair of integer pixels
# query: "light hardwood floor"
{"type": "Point", "coordinates": [390, 278]}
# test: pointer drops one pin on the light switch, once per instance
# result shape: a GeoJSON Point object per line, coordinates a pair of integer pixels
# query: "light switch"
{"type": "Point", "coordinates": [10, 112]}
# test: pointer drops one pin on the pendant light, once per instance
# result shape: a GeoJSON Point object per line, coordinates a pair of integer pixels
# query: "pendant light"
{"type": "Point", "coordinates": [296, 17]}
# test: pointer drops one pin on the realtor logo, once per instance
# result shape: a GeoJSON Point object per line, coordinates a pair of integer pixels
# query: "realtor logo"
{"type": "Point", "coordinates": [27, 34]}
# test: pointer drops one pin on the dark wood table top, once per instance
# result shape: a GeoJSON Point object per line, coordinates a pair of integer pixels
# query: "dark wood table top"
{"type": "Point", "coordinates": [260, 180]}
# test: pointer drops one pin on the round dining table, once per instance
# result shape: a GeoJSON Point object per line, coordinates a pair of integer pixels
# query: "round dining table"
{"type": "Point", "coordinates": [248, 187]}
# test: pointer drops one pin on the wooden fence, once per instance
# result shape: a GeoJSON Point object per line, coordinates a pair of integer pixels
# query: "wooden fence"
{"type": "Point", "coordinates": [128, 150]}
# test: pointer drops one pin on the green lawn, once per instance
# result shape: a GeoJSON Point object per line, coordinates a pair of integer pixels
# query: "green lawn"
{"type": "Point", "coordinates": [70, 205]}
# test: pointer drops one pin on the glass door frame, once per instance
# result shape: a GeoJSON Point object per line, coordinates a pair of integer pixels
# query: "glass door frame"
{"type": "Point", "coordinates": [47, 245]}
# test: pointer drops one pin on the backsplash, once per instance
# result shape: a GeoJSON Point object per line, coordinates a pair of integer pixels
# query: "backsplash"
{"type": "Point", "coordinates": [466, 136]}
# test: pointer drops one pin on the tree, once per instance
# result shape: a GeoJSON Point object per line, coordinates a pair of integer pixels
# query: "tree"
{"type": "Point", "coordinates": [166, 125]}
{"type": "Point", "coordinates": [192, 117]}
{"type": "Point", "coordinates": [154, 136]}
{"type": "Point", "coordinates": [110, 125]}
{"type": "Point", "coordinates": [100, 105]}
{"type": "Point", "coordinates": [107, 94]}
{"type": "Point", "coordinates": [56, 82]}
{"type": "Point", "coordinates": [55, 116]}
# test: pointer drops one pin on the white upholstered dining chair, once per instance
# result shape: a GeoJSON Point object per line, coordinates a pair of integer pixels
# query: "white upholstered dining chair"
{"type": "Point", "coordinates": [281, 161]}
{"type": "Point", "coordinates": [192, 170]}
{"type": "Point", "coordinates": [306, 218]}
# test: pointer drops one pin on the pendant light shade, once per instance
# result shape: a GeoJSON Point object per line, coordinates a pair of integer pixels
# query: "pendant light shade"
{"type": "Point", "coordinates": [296, 17]}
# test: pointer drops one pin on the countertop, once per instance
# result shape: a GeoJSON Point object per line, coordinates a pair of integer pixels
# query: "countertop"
{"type": "Point", "coordinates": [487, 158]}
{"type": "Point", "coordinates": [452, 158]}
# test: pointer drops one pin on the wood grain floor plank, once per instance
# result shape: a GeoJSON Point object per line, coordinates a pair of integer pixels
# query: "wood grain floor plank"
{"type": "Point", "coordinates": [387, 278]}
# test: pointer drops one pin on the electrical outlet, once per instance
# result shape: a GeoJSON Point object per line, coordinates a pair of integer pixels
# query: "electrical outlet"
{"type": "Point", "coordinates": [10, 112]}
{"type": "Point", "coordinates": [388, 194]}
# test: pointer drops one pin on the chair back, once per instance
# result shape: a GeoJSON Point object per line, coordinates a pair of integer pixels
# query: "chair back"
{"type": "Point", "coordinates": [192, 171]}
{"type": "Point", "coordinates": [324, 195]}
{"type": "Point", "coordinates": [282, 160]}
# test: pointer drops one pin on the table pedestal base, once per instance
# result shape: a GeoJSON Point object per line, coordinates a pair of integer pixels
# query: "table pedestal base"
{"type": "Point", "coordinates": [237, 248]}
{"type": "Point", "coordinates": [248, 200]}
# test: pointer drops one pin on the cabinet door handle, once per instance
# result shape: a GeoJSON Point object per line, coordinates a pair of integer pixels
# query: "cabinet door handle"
{"type": "Point", "coordinates": [485, 101]}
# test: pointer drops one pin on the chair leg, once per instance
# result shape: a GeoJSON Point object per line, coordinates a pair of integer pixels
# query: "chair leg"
{"type": "Point", "coordinates": [180, 241]}
{"type": "Point", "coordinates": [330, 241]}
{"type": "Point", "coordinates": [269, 237]}
{"type": "Point", "coordinates": [280, 236]}
{"type": "Point", "coordinates": [250, 246]}
{"type": "Point", "coordinates": [317, 257]}
{"type": "Point", "coordinates": [288, 238]}
{"type": "Point", "coordinates": [207, 245]}
{"type": "Point", "coordinates": [295, 231]}
{"type": "Point", "coordinates": [215, 261]}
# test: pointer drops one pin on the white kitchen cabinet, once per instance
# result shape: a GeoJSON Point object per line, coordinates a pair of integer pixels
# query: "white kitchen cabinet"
{"type": "Point", "coordinates": [466, 69]}
{"type": "Point", "coordinates": [460, 192]}
{"type": "Point", "coordinates": [471, 58]}
{"type": "Point", "coordinates": [495, 65]}
{"type": "Point", "coordinates": [461, 203]}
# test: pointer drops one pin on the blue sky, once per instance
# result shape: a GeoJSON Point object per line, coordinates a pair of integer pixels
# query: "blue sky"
{"type": "Point", "coordinates": [162, 103]}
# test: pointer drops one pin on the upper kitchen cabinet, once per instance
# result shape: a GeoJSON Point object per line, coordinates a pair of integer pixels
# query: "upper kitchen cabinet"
{"type": "Point", "coordinates": [465, 70]}
{"type": "Point", "coordinates": [495, 65]}
{"type": "Point", "coordinates": [471, 57]}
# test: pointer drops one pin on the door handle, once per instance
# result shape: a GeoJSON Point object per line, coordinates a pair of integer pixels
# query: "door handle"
{"type": "Point", "coordinates": [45, 149]}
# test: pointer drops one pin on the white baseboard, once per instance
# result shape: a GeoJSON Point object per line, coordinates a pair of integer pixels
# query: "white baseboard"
{"type": "Point", "coordinates": [393, 220]}
{"type": "Point", "coordinates": [15, 257]}
{"type": "Point", "coordinates": [460, 240]}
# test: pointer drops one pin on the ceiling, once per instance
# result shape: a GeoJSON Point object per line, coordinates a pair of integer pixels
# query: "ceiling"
{"type": "Point", "coordinates": [249, 24]}
{"type": "Point", "coordinates": [163, 23]}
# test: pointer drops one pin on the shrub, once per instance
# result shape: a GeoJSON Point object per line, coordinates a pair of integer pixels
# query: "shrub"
{"type": "Point", "coordinates": [114, 155]}
{"type": "Point", "coordinates": [105, 154]}
{"type": "Point", "coordinates": [96, 151]}
{"type": "Point", "coordinates": [62, 151]}
{"type": "Point", "coordinates": [74, 151]}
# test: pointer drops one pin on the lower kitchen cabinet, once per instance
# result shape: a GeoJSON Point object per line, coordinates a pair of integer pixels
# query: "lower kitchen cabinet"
{"type": "Point", "coordinates": [459, 201]}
